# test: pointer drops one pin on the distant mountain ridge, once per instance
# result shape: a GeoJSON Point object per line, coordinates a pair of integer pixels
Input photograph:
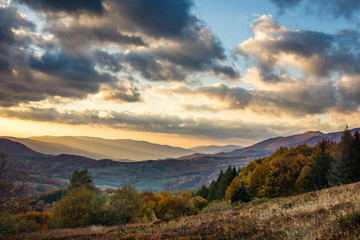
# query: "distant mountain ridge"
{"type": "Point", "coordinates": [48, 171]}
{"type": "Point", "coordinates": [123, 150]}
{"type": "Point", "coordinates": [268, 146]}
{"type": "Point", "coordinates": [99, 148]}
{"type": "Point", "coordinates": [212, 149]}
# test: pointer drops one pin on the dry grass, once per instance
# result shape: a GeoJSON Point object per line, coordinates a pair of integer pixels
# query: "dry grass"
{"type": "Point", "coordinates": [332, 213]}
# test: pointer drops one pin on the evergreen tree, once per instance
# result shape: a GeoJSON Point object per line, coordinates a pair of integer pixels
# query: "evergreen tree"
{"type": "Point", "coordinates": [340, 170]}
{"type": "Point", "coordinates": [203, 192]}
{"type": "Point", "coordinates": [81, 179]}
{"type": "Point", "coordinates": [220, 186]}
{"type": "Point", "coordinates": [318, 172]}
{"type": "Point", "coordinates": [217, 189]}
{"type": "Point", "coordinates": [241, 193]}
{"type": "Point", "coordinates": [212, 191]}
{"type": "Point", "coordinates": [355, 158]}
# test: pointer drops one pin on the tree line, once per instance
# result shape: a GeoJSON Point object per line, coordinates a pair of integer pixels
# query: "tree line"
{"type": "Point", "coordinates": [291, 171]}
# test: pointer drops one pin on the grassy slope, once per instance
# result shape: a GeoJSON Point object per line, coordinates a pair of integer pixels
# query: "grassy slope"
{"type": "Point", "coordinates": [332, 213]}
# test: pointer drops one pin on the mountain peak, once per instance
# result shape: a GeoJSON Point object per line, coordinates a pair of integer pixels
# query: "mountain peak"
{"type": "Point", "coordinates": [314, 132]}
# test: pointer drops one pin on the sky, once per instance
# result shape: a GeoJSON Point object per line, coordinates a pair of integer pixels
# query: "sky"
{"type": "Point", "coordinates": [184, 73]}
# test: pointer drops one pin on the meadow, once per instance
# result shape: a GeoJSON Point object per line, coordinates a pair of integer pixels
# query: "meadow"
{"type": "Point", "coordinates": [332, 213]}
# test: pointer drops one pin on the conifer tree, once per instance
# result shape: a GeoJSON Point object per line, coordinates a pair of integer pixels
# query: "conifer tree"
{"type": "Point", "coordinates": [241, 193]}
{"type": "Point", "coordinates": [355, 158]}
{"type": "Point", "coordinates": [81, 179]}
{"type": "Point", "coordinates": [318, 172]}
{"type": "Point", "coordinates": [212, 191]}
{"type": "Point", "coordinates": [340, 170]}
{"type": "Point", "coordinates": [203, 192]}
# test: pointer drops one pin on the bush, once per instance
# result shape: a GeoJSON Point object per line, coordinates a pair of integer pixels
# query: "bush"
{"type": "Point", "coordinates": [199, 203]}
{"type": "Point", "coordinates": [9, 223]}
{"type": "Point", "coordinates": [36, 221]}
{"type": "Point", "coordinates": [125, 205]}
{"type": "Point", "coordinates": [78, 208]}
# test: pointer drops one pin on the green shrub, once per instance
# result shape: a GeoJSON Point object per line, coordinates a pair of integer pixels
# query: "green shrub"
{"type": "Point", "coordinates": [125, 206]}
{"type": "Point", "coordinates": [9, 223]}
{"type": "Point", "coordinates": [78, 208]}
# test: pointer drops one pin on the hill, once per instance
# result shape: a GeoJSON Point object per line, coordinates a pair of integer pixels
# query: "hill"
{"type": "Point", "coordinates": [99, 148]}
{"type": "Point", "coordinates": [212, 149]}
{"type": "Point", "coordinates": [268, 146]}
{"type": "Point", "coordinates": [332, 213]}
{"type": "Point", "coordinates": [47, 172]}
{"type": "Point", "coordinates": [17, 149]}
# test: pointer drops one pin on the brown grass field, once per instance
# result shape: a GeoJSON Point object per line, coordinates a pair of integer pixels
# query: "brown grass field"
{"type": "Point", "coordinates": [332, 213]}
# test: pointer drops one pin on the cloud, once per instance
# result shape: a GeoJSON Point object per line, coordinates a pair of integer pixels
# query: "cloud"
{"type": "Point", "coordinates": [147, 122]}
{"type": "Point", "coordinates": [298, 97]}
{"type": "Point", "coordinates": [302, 71]}
{"type": "Point", "coordinates": [157, 18]}
{"type": "Point", "coordinates": [160, 39]}
{"type": "Point", "coordinates": [312, 52]}
{"type": "Point", "coordinates": [93, 6]}
{"type": "Point", "coordinates": [349, 88]}
{"type": "Point", "coordinates": [11, 19]}
{"type": "Point", "coordinates": [234, 97]}
{"type": "Point", "coordinates": [75, 72]}
{"type": "Point", "coordinates": [348, 9]}
{"type": "Point", "coordinates": [121, 92]}
{"type": "Point", "coordinates": [80, 36]}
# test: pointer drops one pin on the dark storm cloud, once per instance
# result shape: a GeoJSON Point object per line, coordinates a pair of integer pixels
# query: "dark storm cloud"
{"type": "Point", "coordinates": [10, 19]}
{"type": "Point", "coordinates": [25, 78]}
{"type": "Point", "coordinates": [348, 9]}
{"type": "Point", "coordinates": [227, 71]}
{"type": "Point", "coordinates": [94, 6]}
{"type": "Point", "coordinates": [77, 71]}
{"type": "Point", "coordinates": [188, 46]}
{"type": "Point", "coordinates": [70, 58]}
{"type": "Point", "coordinates": [4, 65]}
{"type": "Point", "coordinates": [81, 37]}
{"type": "Point", "coordinates": [175, 62]}
{"type": "Point", "coordinates": [158, 18]}
{"type": "Point", "coordinates": [107, 61]}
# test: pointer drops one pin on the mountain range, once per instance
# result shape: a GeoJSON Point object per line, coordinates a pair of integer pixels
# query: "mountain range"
{"type": "Point", "coordinates": [48, 171]}
{"type": "Point", "coordinates": [122, 150]}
